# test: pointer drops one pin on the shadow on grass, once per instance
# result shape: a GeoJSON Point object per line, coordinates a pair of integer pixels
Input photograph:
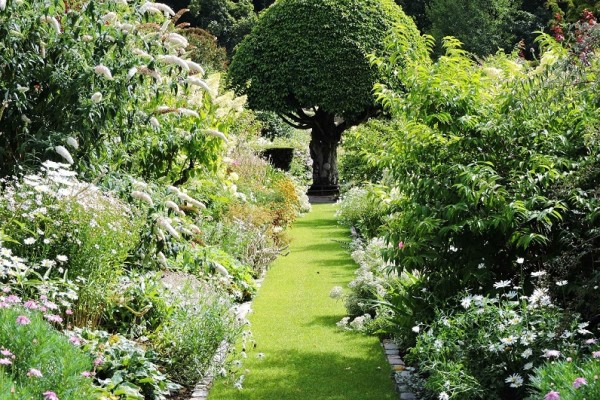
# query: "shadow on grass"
{"type": "Point", "coordinates": [328, 245]}
{"type": "Point", "coordinates": [313, 223]}
{"type": "Point", "coordinates": [325, 320]}
{"type": "Point", "coordinates": [314, 375]}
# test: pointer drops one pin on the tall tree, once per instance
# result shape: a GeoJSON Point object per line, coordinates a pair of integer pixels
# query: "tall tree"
{"type": "Point", "coordinates": [484, 26]}
{"type": "Point", "coordinates": [228, 20]}
{"type": "Point", "coordinates": [308, 60]}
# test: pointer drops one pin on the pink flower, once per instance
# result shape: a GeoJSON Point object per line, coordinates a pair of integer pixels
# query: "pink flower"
{"type": "Point", "coordinates": [50, 395]}
{"type": "Point", "coordinates": [401, 245]}
{"type": "Point", "coordinates": [50, 305]}
{"type": "Point", "coordinates": [54, 318]}
{"type": "Point", "coordinates": [99, 361]}
{"type": "Point", "coordinates": [7, 353]}
{"type": "Point", "coordinates": [596, 354]}
{"type": "Point", "coordinates": [551, 353]}
{"type": "Point", "coordinates": [69, 311]}
{"type": "Point", "coordinates": [13, 299]}
{"type": "Point", "coordinates": [34, 372]}
{"type": "Point", "coordinates": [4, 304]}
{"type": "Point", "coordinates": [5, 361]}
{"type": "Point", "coordinates": [552, 395]}
{"type": "Point", "coordinates": [87, 374]}
{"type": "Point", "coordinates": [23, 320]}
{"type": "Point", "coordinates": [75, 340]}
{"type": "Point", "coordinates": [32, 305]}
{"type": "Point", "coordinates": [579, 382]}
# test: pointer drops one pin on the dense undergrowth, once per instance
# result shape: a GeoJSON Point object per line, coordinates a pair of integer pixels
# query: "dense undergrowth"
{"type": "Point", "coordinates": [134, 209]}
{"type": "Point", "coordinates": [475, 203]}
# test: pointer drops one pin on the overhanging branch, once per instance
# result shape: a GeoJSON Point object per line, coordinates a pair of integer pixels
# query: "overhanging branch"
{"type": "Point", "coordinates": [294, 122]}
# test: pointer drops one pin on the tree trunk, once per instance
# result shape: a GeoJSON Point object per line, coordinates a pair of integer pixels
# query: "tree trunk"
{"type": "Point", "coordinates": [325, 138]}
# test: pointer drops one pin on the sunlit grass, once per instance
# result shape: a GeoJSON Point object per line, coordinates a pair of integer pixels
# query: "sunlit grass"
{"type": "Point", "coordinates": [305, 355]}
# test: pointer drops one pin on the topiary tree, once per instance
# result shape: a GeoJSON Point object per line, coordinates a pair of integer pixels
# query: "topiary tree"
{"type": "Point", "coordinates": [307, 60]}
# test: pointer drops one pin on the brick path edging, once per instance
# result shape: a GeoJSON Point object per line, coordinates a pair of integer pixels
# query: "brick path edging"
{"type": "Point", "coordinates": [400, 373]}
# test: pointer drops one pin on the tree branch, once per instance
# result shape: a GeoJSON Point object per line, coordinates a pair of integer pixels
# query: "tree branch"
{"type": "Point", "coordinates": [287, 118]}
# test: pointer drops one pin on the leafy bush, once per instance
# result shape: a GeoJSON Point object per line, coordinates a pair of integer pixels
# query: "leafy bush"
{"type": "Point", "coordinates": [122, 368]}
{"type": "Point", "coordinates": [137, 305]}
{"type": "Point", "coordinates": [486, 172]}
{"type": "Point", "coordinates": [201, 321]}
{"type": "Point", "coordinates": [575, 378]}
{"type": "Point", "coordinates": [273, 126]}
{"type": "Point", "coordinates": [69, 230]}
{"type": "Point", "coordinates": [488, 349]}
{"type": "Point", "coordinates": [106, 81]}
{"type": "Point", "coordinates": [362, 209]}
{"type": "Point", "coordinates": [36, 359]}
{"type": "Point", "coordinates": [356, 166]}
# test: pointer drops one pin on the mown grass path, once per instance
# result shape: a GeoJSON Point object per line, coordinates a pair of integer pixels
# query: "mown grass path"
{"type": "Point", "coordinates": [306, 356]}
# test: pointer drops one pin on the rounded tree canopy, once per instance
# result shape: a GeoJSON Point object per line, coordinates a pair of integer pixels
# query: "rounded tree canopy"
{"type": "Point", "coordinates": [309, 54]}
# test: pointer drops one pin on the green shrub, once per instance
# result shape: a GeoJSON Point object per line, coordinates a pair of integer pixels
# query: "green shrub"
{"type": "Point", "coordinates": [273, 126]}
{"type": "Point", "coordinates": [38, 359]}
{"type": "Point", "coordinates": [137, 305]}
{"type": "Point", "coordinates": [189, 340]}
{"type": "Point", "coordinates": [363, 210]}
{"type": "Point", "coordinates": [102, 85]}
{"type": "Point", "coordinates": [71, 230]}
{"type": "Point", "coordinates": [575, 378]}
{"type": "Point", "coordinates": [489, 348]}
{"type": "Point", "coordinates": [494, 162]}
{"type": "Point", "coordinates": [356, 165]}
{"type": "Point", "coordinates": [123, 368]}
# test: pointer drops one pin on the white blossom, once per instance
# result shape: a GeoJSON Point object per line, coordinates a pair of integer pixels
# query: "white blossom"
{"type": "Point", "coordinates": [220, 269]}
{"type": "Point", "coordinates": [169, 59]}
{"type": "Point", "coordinates": [71, 141]}
{"type": "Point", "coordinates": [2, 5]}
{"type": "Point", "coordinates": [145, 197]}
{"type": "Point", "coordinates": [216, 133]}
{"type": "Point", "coordinates": [177, 39]}
{"type": "Point", "coordinates": [97, 97]}
{"type": "Point", "coordinates": [515, 380]}
{"type": "Point", "coordinates": [103, 70]}
{"type": "Point", "coordinates": [141, 53]}
{"type": "Point", "coordinates": [166, 225]}
{"type": "Point", "coordinates": [501, 284]}
{"type": "Point", "coordinates": [187, 112]}
{"type": "Point", "coordinates": [192, 80]}
{"type": "Point", "coordinates": [132, 71]}
{"type": "Point", "coordinates": [162, 259]}
{"type": "Point", "coordinates": [110, 16]}
{"type": "Point", "coordinates": [170, 204]}
{"type": "Point", "coordinates": [52, 21]}
{"type": "Point", "coordinates": [193, 66]}
{"type": "Point", "coordinates": [157, 7]}
{"type": "Point", "coordinates": [191, 200]}
{"type": "Point", "coordinates": [25, 119]}
{"type": "Point", "coordinates": [154, 122]}
{"type": "Point", "coordinates": [337, 292]}
{"type": "Point", "coordinates": [64, 153]}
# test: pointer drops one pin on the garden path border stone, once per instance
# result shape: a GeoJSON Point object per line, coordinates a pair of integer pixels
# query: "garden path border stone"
{"type": "Point", "coordinates": [400, 372]}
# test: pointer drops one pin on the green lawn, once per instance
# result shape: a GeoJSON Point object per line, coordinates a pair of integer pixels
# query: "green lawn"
{"type": "Point", "coordinates": [306, 355]}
